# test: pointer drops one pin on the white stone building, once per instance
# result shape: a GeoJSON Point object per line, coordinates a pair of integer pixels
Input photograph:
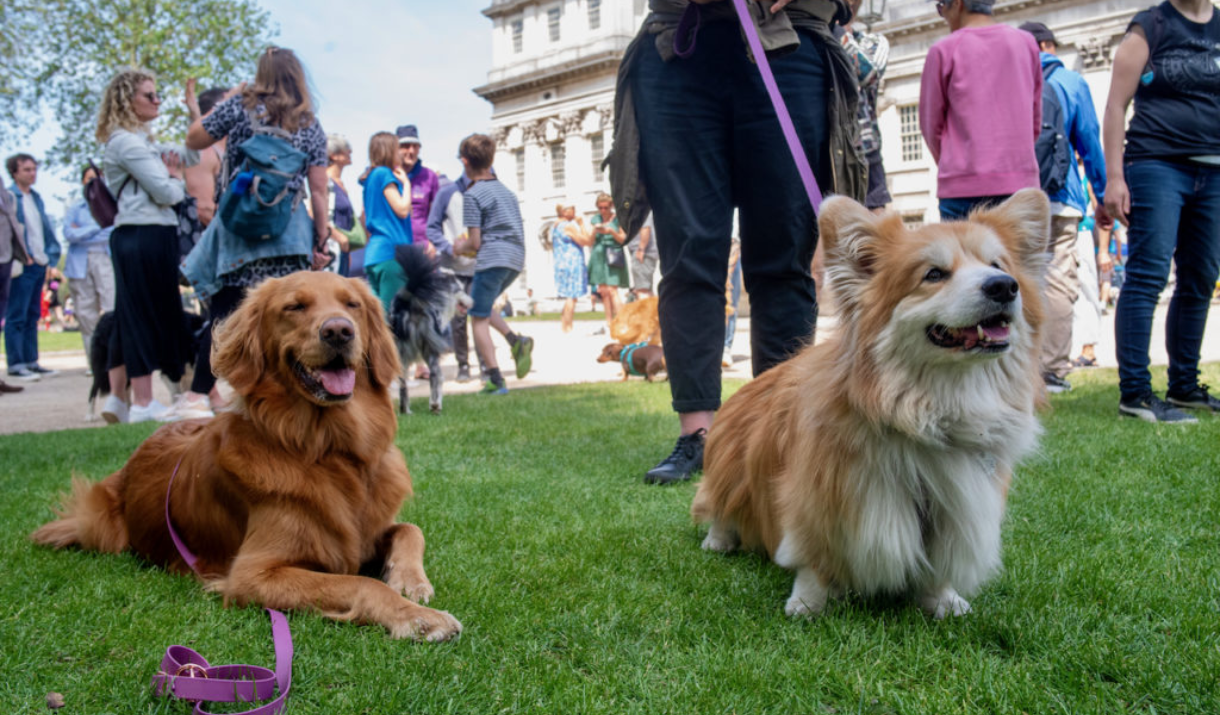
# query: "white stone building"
{"type": "Point", "coordinates": [551, 84]}
{"type": "Point", "coordinates": [553, 71]}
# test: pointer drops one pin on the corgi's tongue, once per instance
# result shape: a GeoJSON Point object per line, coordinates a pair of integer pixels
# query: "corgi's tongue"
{"type": "Point", "coordinates": [338, 382]}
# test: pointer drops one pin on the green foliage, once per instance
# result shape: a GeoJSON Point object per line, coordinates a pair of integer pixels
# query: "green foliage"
{"type": "Point", "coordinates": [582, 590]}
{"type": "Point", "coordinates": [63, 52]}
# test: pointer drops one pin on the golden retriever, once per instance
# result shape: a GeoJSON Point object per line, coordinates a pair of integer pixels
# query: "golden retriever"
{"type": "Point", "coordinates": [288, 498]}
{"type": "Point", "coordinates": [879, 460]}
{"type": "Point", "coordinates": [637, 322]}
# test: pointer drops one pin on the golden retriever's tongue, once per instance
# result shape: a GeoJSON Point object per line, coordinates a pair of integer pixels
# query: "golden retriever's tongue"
{"type": "Point", "coordinates": [338, 382]}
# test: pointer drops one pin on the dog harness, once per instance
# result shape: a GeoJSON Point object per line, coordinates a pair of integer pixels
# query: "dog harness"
{"type": "Point", "coordinates": [626, 358]}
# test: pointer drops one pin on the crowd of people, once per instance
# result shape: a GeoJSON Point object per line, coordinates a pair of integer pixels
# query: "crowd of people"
{"type": "Point", "coordinates": [998, 109]}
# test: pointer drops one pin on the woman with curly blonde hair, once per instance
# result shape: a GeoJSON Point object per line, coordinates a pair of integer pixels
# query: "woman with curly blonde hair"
{"type": "Point", "coordinates": [146, 179]}
{"type": "Point", "coordinates": [223, 265]}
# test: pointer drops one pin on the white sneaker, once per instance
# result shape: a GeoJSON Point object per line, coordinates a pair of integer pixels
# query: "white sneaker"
{"type": "Point", "coordinates": [151, 411]}
{"type": "Point", "coordinates": [186, 408]}
{"type": "Point", "coordinates": [114, 411]}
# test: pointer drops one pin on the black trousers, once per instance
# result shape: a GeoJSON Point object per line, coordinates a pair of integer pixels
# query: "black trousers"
{"type": "Point", "coordinates": [710, 141]}
{"type": "Point", "coordinates": [221, 306]}
{"type": "Point", "coordinates": [152, 328]}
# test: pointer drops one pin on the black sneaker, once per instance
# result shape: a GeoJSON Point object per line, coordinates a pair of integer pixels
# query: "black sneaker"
{"type": "Point", "coordinates": [1056, 384]}
{"type": "Point", "coordinates": [1196, 399]}
{"type": "Point", "coordinates": [1151, 408]}
{"type": "Point", "coordinates": [686, 459]}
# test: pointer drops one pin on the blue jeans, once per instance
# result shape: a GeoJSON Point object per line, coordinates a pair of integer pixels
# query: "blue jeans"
{"type": "Point", "coordinates": [709, 141]}
{"type": "Point", "coordinates": [958, 209]}
{"type": "Point", "coordinates": [1175, 214]}
{"type": "Point", "coordinates": [21, 318]}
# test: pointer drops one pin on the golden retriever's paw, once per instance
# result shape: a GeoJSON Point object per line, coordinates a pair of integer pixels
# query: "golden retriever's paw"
{"type": "Point", "coordinates": [427, 624]}
{"type": "Point", "coordinates": [808, 595]}
{"type": "Point", "coordinates": [944, 603]}
{"type": "Point", "coordinates": [414, 586]}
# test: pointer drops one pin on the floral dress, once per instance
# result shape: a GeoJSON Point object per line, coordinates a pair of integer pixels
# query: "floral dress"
{"type": "Point", "coordinates": [571, 280]}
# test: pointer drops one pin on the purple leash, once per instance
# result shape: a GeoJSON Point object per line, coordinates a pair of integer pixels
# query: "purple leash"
{"type": "Point", "coordinates": [781, 109]}
{"type": "Point", "coordinates": [187, 675]}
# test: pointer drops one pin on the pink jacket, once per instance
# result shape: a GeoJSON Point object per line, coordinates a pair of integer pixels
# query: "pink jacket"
{"type": "Point", "coordinates": [980, 110]}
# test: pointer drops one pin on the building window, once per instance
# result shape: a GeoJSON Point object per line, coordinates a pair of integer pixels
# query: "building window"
{"type": "Point", "coordinates": [552, 22]}
{"type": "Point", "coordinates": [912, 140]}
{"type": "Point", "coordinates": [597, 146]}
{"type": "Point", "coordinates": [519, 160]}
{"type": "Point", "coordinates": [595, 14]}
{"type": "Point", "coordinates": [518, 36]}
{"type": "Point", "coordinates": [557, 173]}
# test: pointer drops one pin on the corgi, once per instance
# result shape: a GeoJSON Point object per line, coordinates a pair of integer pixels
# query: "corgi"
{"type": "Point", "coordinates": [878, 461]}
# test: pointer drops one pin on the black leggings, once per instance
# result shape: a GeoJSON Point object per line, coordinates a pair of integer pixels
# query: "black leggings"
{"type": "Point", "coordinates": [220, 306]}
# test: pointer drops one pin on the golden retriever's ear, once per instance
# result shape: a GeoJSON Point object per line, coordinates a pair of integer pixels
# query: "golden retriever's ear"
{"type": "Point", "coordinates": [380, 352]}
{"type": "Point", "coordinates": [1024, 225]}
{"type": "Point", "coordinates": [848, 233]}
{"type": "Point", "coordinates": [238, 354]}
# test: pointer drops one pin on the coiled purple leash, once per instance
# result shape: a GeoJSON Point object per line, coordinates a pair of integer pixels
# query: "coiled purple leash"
{"type": "Point", "coordinates": [781, 109]}
{"type": "Point", "coordinates": [187, 675]}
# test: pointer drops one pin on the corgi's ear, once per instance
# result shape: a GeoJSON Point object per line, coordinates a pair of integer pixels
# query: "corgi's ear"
{"type": "Point", "coordinates": [1024, 224]}
{"type": "Point", "coordinates": [848, 234]}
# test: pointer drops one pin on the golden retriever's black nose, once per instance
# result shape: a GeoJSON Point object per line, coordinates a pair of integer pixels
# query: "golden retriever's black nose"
{"type": "Point", "coordinates": [337, 332]}
{"type": "Point", "coordinates": [1001, 289]}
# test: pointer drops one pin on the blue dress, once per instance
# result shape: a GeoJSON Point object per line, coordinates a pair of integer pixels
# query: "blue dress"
{"type": "Point", "coordinates": [571, 278]}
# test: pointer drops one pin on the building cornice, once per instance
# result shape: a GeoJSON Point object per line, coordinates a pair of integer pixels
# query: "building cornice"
{"type": "Point", "coordinates": [584, 66]}
{"type": "Point", "coordinates": [506, 7]}
{"type": "Point", "coordinates": [929, 23]}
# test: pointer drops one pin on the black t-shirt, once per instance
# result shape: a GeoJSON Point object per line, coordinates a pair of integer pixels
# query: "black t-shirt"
{"type": "Point", "coordinates": [1177, 102]}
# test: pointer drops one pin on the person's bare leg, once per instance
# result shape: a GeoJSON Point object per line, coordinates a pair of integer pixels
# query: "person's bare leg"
{"type": "Point", "coordinates": [569, 313]}
{"type": "Point", "coordinates": [142, 390]}
{"type": "Point", "coordinates": [118, 382]}
{"type": "Point", "coordinates": [607, 306]}
{"type": "Point", "coordinates": [480, 328]}
{"type": "Point", "coordinates": [692, 422]}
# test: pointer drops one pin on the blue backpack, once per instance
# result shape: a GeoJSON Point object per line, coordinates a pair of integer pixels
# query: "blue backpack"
{"type": "Point", "coordinates": [258, 202]}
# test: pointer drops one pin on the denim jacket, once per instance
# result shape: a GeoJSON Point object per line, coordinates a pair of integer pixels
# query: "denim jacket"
{"type": "Point", "coordinates": [50, 243]}
{"type": "Point", "coordinates": [221, 252]}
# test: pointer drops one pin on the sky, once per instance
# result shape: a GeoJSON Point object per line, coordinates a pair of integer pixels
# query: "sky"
{"type": "Point", "coordinates": [373, 67]}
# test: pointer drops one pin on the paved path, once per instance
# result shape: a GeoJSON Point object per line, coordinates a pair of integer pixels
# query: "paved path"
{"type": "Point", "coordinates": [60, 402]}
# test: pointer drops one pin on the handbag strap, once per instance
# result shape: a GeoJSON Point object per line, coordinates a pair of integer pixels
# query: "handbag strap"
{"type": "Point", "coordinates": [777, 101]}
{"type": "Point", "coordinates": [187, 675]}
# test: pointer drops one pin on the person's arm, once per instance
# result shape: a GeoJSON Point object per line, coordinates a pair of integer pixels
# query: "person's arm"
{"type": "Point", "coordinates": [435, 228]}
{"type": "Point", "coordinates": [1037, 99]}
{"type": "Point", "coordinates": [645, 239]}
{"type": "Point", "coordinates": [472, 219]}
{"type": "Point", "coordinates": [1129, 62]}
{"type": "Point", "coordinates": [318, 189]}
{"type": "Point", "coordinates": [79, 225]}
{"type": "Point", "coordinates": [199, 138]}
{"type": "Point", "coordinates": [620, 236]}
{"type": "Point", "coordinates": [399, 199]}
{"type": "Point", "coordinates": [160, 178]}
{"type": "Point", "coordinates": [932, 106]}
{"type": "Point", "coordinates": [1085, 136]}
{"type": "Point", "coordinates": [201, 183]}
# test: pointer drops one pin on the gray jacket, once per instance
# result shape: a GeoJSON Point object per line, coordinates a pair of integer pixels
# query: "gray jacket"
{"type": "Point", "coordinates": [12, 233]}
{"type": "Point", "coordinates": [849, 168]}
{"type": "Point", "coordinates": [150, 193]}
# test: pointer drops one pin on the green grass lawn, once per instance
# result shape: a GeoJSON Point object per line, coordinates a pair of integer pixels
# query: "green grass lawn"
{"type": "Point", "coordinates": [55, 342]}
{"type": "Point", "coordinates": [584, 591]}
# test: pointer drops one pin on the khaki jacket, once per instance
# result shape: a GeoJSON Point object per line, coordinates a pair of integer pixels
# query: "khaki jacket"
{"type": "Point", "coordinates": [12, 233]}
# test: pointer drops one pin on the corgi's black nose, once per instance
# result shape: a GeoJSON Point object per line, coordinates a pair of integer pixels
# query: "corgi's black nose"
{"type": "Point", "coordinates": [1001, 289]}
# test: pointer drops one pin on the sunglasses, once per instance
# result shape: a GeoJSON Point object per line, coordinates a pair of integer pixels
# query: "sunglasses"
{"type": "Point", "coordinates": [151, 96]}
{"type": "Point", "coordinates": [941, 5]}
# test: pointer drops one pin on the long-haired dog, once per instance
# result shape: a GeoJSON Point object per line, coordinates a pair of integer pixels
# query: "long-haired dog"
{"type": "Point", "coordinates": [637, 322]}
{"type": "Point", "coordinates": [289, 497]}
{"type": "Point", "coordinates": [99, 358]}
{"type": "Point", "coordinates": [420, 319]}
{"type": "Point", "coordinates": [879, 460]}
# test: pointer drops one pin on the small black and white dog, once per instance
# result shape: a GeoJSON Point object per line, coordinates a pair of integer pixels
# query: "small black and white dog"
{"type": "Point", "coordinates": [419, 318]}
{"type": "Point", "coordinates": [99, 359]}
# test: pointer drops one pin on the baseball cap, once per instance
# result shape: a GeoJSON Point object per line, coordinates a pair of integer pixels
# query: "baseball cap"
{"type": "Point", "coordinates": [408, 134]}
{"type": "Point", "coordinates": [1041, 32]}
